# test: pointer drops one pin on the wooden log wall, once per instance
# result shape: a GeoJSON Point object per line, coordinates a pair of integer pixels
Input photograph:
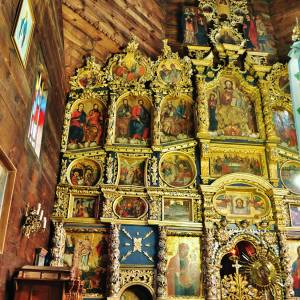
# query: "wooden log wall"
{"type": "Point", "coordinates": [101, 28]}
{"type": "Point", "coordinates": [36, 178]}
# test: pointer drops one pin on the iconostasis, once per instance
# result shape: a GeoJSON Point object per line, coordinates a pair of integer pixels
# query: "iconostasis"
{"type": "Point", "coordinates": [180, 176]}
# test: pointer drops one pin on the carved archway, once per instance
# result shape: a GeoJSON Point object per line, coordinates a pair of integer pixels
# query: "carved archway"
{"type": "Point", "coordinates": [139, 290]}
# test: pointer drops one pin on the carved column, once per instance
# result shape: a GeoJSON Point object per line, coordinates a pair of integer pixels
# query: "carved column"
{"type": "Point", "coordinates": [285, 265]}
{"type": "Point", "coordinates": [111, 121]}
{"type": "Point", "coordinates": [267, 111]}
{"type": "Point", "coordinates": [162, 265]}
{"type": "Point", "coordinates": [110, 169]}
{"type": "Point", "coordinates": [58, 248]}
{"type": "Point", "coordinates": [210, 270]}
{"type": "Point", "coordinates": [209, 212]}
{"type": "Point", "coordinates": [114, 268]}
{"type": "Point", "coordinates": [155, 206]}
{"type": "Point", "coordinates": [202, 110]}
{"type": "Point", "coordinates": [156, 122]}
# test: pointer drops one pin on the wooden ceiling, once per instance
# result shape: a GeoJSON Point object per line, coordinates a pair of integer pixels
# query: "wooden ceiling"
{"type": "Point", "coordinates": [102, 27]}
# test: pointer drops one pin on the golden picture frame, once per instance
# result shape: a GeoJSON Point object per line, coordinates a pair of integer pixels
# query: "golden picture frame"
{"type": "Point", "coordinates": [23, 29]}
{"type": "Point", "coordinates": [177, 169]}
{"type": "Point", "coordinates": [7, 180]}
{"type": "Point", "coordinates": [177, 209]}
{"type": "Point", "coordinates": [84, 206]}
{"type": "Point", "coordinates": [231, 159]}
{"type": "Point", "coordinates": [130, 207]}
{"type": "Point", "coordinates": [190, 243]}
{"type": "Point", "coordinates": [86, 172]}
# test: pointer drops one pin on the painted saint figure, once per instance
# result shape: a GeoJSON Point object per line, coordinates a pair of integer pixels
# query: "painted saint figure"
{"type": "Point", "coordinates": [212, 106]}
{"type": "Point", "coordinates": [94, 128]}
{"type": "Point", "coordinates": [139, 125]}
{"type": "Point", "coordinates": [250, 32]}
{"type": "Point", "coordinates": [77, 125]}
{"type": "Point", "coordinates": [180, 279]}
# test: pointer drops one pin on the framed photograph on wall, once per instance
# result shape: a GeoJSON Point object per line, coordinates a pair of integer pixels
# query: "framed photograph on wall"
{"type": "Point", "coordinates": [23, 30]}
{"type": "Point", "coordinates": [7, 180]}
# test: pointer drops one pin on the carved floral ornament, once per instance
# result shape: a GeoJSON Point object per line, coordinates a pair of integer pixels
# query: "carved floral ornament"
{"type": "Point", "coordinates": [231, 10]}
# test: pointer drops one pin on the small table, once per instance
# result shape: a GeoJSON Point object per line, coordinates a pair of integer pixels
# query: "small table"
{"type": "Point", "coordinates": [46, 283]}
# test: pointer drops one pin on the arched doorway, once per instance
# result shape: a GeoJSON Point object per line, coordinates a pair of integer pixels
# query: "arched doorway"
{"type": "Point", "coordinates": [136, 292]}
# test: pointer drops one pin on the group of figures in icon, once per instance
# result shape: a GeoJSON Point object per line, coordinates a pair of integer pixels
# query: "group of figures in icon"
{"type": "Point", "coordinates": [226, 164]}
{"type": "Point", "coordinates": [231, 111]}
{"type": "Point", "coordinates": [176, 120]}
{"type": "Point", "coordinates": [255, 28]}
{"type": "Point", "coordinates": [133, 121]}
{"type": "Point", "coordinates": [86, 125]}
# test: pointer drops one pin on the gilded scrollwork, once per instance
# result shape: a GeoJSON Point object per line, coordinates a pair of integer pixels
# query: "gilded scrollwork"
{"type": "Point", "coordinates": [138, 276]}
{"type": "Point", "coordinates": [58, 244]}
{"type": "Point", "coordinates": [60, 209]}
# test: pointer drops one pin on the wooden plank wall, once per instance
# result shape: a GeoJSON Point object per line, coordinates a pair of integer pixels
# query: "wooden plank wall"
{"type": "Point", "coordinates": [284, 13]}
{"type": "Point", "coordinates": [101, 28]}
{"type": "Point", "coordinates": [36, 178]}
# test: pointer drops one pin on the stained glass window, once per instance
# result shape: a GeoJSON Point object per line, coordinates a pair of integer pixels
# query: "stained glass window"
{"type": "Point", "coordinates": [37, 118]}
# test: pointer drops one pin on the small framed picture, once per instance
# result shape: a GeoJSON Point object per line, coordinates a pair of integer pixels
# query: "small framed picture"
{"type": "Point", "coordinates": [178, 210]}
{"type": "Point", "coordinates": [7, 180]}
{"type": "Point", "coordinates": [294, 215]}
{"type": "Point", "coordinates": [84, 207]}
{"type": "Point", "coordinates": [23, 30]}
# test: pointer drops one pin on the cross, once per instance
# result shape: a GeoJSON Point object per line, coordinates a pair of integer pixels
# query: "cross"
{"type": "Point", "coordinates": [237, 266]}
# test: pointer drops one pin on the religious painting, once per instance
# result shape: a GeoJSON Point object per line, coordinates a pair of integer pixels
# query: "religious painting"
{"type": "Point", "coordinates": [250, 32]}
{"type": "Point", "coordinates": [129, 69]}
{"type": "Point", "coordinates": [179, 210]}
{"type": "Point", "coordinates": [177, 118]}
{"type": "Point", "coordinates": [169, 71]}
{"type": "Point", "coordinates": [290, 176]}
{"type": "Point", "coordinates": [84, 206]}
{"type": "Point", "coordinates": [86, 124]}
{"type": "Point", "coordinates": [294, 255]}
{"type": "Point", "coordinates": [294, 215]}
{"type": "Point", "coordinates": [195, 28]}
{"type": "Point", "coordinates": [130, 207]}
{"type": "Point", "coordinates": [285, 128]}
{"type": "Point", "coordinates": [239, 204]}
{"type": "Point", "coordinates": [132, 170]}
{"type": "Point", "coordinates": [184, 273]}
{"type": "Point", "coordinates": [84, 172]}
{"type": "Point", "coordinates": [222, 164]}
{"type": "Point", "coordinates": [7, 180]}
{"type": "Point", "coordinates": [133, 120]}
{"type": "Point", "coordinates": [231, 110]}
{"type": "Point", "coordinates": [262, 30]}
{"type": "Point", "coordinates": [177, 169]}
{"type": "Point", "coordinates": [37, 117]}
{"type": "Point", "coordinates": [23, 30]}
{"type": "Point", "coordinates": [89, 251]}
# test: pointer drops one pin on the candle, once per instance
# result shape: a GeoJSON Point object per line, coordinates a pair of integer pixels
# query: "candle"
{"type": "Point", "coordinates": [41, 215]}
{"type": "Point", "coordinates": [38, 208]}
{"type": "Point", "coordinates": [44, 222]}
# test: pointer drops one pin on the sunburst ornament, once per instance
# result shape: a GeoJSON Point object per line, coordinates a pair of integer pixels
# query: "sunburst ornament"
{"type": "Point", "coordinates": [263, 271]}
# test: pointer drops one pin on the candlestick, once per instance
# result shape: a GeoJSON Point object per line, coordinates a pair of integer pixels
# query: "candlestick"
{"type": "Point", "coordinates": [38, 208]}
{"type": "Point", "coordinates": [41, 215]}
{"type": "Point", "coordinates": [44, 222]}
